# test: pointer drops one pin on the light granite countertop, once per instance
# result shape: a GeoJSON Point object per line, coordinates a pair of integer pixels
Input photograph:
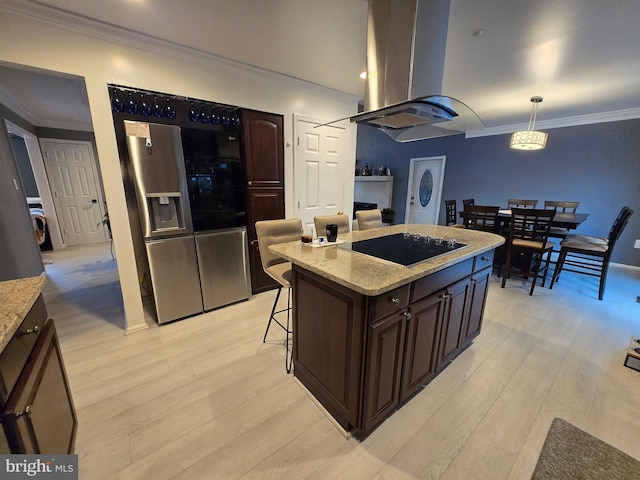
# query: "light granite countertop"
{"type": "Point", "coordinates": [16, 299]}
{"type": "Point", "coordinates": [370, 276]}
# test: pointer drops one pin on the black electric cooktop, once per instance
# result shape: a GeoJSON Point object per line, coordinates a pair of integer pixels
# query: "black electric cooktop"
{"type": "Point", "coordinates": [406, 249]}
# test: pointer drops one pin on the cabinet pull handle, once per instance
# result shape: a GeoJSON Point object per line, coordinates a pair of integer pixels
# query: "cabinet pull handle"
{"type": "Point", "coordinates": [446, 295]}
{"type": "Point", "coordinates": [407, 315]}
{"type": "Point", "coordinates": [484, 259]}
{"type": "Point", "coordinates": [33, 330]}
{"type": "Point", "coordinates": [249, 183]}
{"type": "Point", "coordinates": [395, 301]}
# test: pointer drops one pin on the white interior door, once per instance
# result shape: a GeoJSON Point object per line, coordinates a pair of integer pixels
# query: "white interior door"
{"type": "Point", "coordinates": [423, 198]}
{"type": "Point", "coordinates": [320, 169]}
{"type": "Point", "coordinates": [73, 181]}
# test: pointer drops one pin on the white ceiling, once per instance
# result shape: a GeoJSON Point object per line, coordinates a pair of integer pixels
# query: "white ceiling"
{"type": "Point", "coordinates": [581, 56]}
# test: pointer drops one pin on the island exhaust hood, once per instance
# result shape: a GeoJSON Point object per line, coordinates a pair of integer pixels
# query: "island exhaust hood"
{"type": "Point", "coordinates": [406, 42]}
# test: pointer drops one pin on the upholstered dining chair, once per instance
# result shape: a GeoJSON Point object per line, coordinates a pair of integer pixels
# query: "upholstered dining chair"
{"type": "Point", "coordinates": [272, 232]}
{"type": "Point", "coordinates": [569, 207]}
{"type": "Point", "coordinates": [590, 255]}
{"type": "Point", "coordinates": [368, 219]}
{"type": "Point", "coordinates": [521, 203]}
{"type": "Point", "coordinates": [528, 245]}
{"type": "Point", "coordinates": [341, 219]}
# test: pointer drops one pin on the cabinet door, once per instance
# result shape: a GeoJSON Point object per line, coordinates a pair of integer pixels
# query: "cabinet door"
{"type": "Point", "coordinates": [263, 148]}
{"type": "Point", "coordinates": [453, 321]}
{"type": "Point", "coordinates": [263, 204]}
{"type": "Point", "coordinates": [385, 347]}
{"type": "Point", "coordinates": [39, 416]}
{"type": "Point", "coordinates": [477, 302]}
{"type": "Point", "coordinates": [17, 351]}
{"type": "Point", "coordinates": [422, 343]}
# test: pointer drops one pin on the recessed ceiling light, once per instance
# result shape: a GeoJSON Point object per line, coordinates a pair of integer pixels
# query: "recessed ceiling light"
{"type": "Point", "coordinates": [363, 74]}
{"type": "Point", "coordinates": [477, 32]}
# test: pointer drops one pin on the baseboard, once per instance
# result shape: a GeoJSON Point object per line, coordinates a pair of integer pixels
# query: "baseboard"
{"type": "Point", "coordinates": [623, 265]}
{"type": "Point", "coordinates": [343, 432]}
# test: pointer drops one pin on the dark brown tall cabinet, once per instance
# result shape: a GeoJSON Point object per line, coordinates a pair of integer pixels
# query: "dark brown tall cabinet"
{"type": "Point", "coordinates": [263, 143]}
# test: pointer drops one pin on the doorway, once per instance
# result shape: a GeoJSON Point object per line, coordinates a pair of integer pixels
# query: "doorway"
{"type": "Point", "coordinates": [426, 176]}
{"type": "Point", "coordinates": [77, 196]}
{"type": "Point", "coordinates": [320, 169]}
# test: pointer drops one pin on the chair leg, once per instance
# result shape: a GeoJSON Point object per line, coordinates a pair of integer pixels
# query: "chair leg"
{"type": "Point", "coordinates": [506, 267]}
{"type": "Point", "coordinates": [558, 268]}
{"type": "Point", "coordinates": [288, 358]}
{"type": "Point", "coordinates": [546, 269]}
{"type": "Point", "coordinates": [603, 279]}
{"type": "Point", "coordinates": [271, 317]}
{"type": "Point", "coordinates": [288, 355]}
{"type": "Point", "coordinates": [536, 272]}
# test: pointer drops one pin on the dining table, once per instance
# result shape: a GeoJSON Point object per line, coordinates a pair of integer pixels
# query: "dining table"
{"type": "Point", "coordinates": [567, 220]}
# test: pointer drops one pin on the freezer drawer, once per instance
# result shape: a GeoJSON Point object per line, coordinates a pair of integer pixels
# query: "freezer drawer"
{"type": "Point", "coordinates": [224, 267]}
{"type": "Point", "coordinates": [174, 275]}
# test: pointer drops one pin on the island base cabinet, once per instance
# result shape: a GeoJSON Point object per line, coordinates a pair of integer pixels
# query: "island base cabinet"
{"type": "Point", "coordinates": [363, 356]}
{"type": "Point", "coordinates": [39, 416]}
{"type": "Point", "coordinates": [328, 326]}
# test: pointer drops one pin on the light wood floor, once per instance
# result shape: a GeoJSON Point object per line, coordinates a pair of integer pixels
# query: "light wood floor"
{"type": "Point", "coordinates": [203, 398]}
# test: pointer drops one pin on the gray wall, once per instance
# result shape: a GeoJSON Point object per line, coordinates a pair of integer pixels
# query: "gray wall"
{"type": "Point", "coordinates": [598, 165]}
{"type": "Point", "coordinates": [19, 251]}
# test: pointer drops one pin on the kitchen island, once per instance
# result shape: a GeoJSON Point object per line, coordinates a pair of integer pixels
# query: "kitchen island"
{"type": "Point", "coordinates": [369, 333]}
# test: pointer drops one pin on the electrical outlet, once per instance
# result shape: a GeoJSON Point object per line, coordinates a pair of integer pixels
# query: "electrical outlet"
{"type": "Point", "coordinates": [637, 244]}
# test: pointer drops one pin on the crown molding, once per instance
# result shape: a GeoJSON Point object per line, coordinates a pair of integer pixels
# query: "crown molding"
{"type": "Point", "coordinates": [616, 116]}
{"type": "Point", "coordinates": [89, 27]}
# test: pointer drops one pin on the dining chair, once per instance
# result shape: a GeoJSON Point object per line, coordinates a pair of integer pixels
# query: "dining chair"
{"type": "Point", "coordinates": [272, 232]}
{"type": "Point", "coordinates": [528, 246]}
{"type": "Point", "coordinates": [468, 201]}
{"type": "Point", "coordinates": [564, 207]}
{"type": "Point", "coordinates": [519, 203]}
{"type": "Point", "coordinates": [481, 217]}
{"type": "Point", "coordinates": [451, 212]}
{"type": "Point", "coordinates": [341, 219]}
{"type": "Point", "coordinates": [451, 217]}
{"type": "Point", "coordinates": [590, 255]}
{"type": "Point", "coordinates": [368, 219]}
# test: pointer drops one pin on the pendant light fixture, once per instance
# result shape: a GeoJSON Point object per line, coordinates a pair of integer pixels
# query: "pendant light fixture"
{"type": "Point", "coordinates": [530, 139]}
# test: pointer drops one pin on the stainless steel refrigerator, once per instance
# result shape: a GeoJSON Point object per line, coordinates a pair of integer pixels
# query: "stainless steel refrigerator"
{"type": "Point", "coordinates": [190, 272]}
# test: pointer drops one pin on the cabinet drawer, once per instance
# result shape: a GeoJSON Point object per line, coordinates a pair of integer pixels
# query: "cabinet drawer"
{"type": "Point", "coordinates": [483, 260]}
{"type": "Point", "coordinates": [15, 354]}
{"type": "Point", "coordinates": [429, 284]}
{"type": "Point", "coordinates": [388, 303]}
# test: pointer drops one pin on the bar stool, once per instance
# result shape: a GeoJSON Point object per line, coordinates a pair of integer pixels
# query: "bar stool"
{"type": "Point", "coordinates": [368, 219]}
{"type": "Point", "coordinates": [341, 219]}
{"type": "Point", "coordinates": [272, 232]}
